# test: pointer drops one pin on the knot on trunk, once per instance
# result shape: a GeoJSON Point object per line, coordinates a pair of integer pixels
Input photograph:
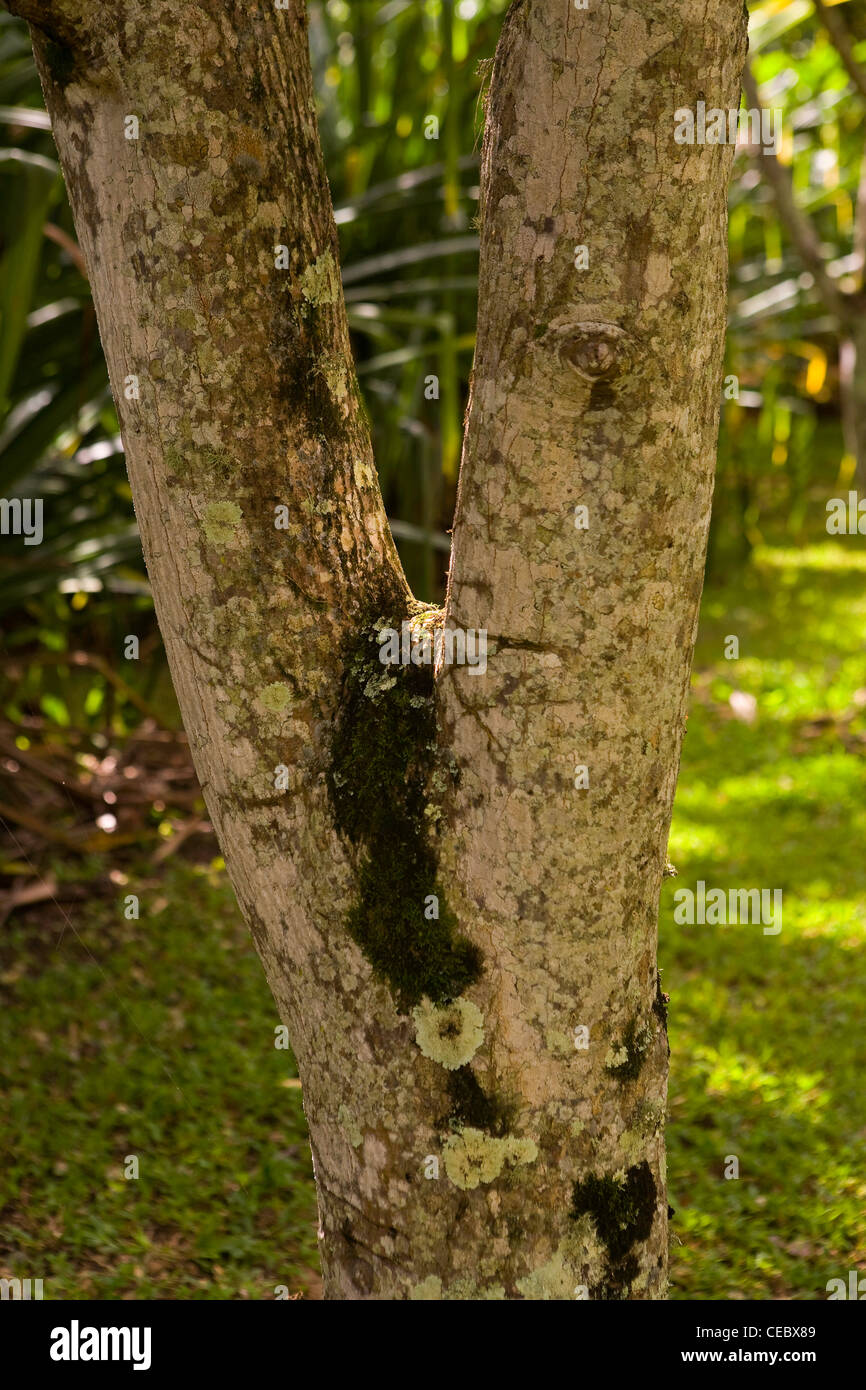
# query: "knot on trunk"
{"type": "Point", "coordinates": [596, 351]}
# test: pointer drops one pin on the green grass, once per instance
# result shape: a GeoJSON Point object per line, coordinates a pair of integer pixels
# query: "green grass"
{"type": "Point", "coordinates": [766, 1031]}
{"type": "Point", "coordinates": [155, 1037]}
{"type": "Point", "coordinates": [152, 1038]}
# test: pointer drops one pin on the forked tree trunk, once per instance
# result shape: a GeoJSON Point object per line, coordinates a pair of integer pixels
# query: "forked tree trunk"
{"type": "Point", "coordinates": [485, 1087]}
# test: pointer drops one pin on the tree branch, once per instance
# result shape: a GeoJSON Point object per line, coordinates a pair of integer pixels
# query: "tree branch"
{"type": "Point", "coordinates": [859, 237]}
{"type": "Point", "coordinates": [59, 20]}
{"type": "Point", "coordinates": [799, 227]}
{"type": "Point", "coordinates": [243, 365]}
{"type": "Point", "coordinates": [188, 139]}
{"type": "Point", "coordinates": [584, 503]}
{"type": "Point", "coordinates": [841, 39]}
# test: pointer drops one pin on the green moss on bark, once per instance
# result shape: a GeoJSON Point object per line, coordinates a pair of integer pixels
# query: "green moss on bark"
{"type": "Point", "coordinates": [383, 749]}
{"type": "Point", "coordinates": [623, 1211]}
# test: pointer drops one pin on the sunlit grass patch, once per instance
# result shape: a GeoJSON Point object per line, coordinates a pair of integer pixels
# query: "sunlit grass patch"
{"type": "Point", "coordinates": [767, 1050]}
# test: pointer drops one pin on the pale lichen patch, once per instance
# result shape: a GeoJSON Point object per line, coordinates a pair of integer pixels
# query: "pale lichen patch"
{"type": "Point", "coordinates": [277, 698]}
{"type": "Point", "coordinates": [554, 1280]}
{"type": "Point", "coordinates": [463, 1289]}
{"type": "Point", "coordinates": [349, 1125]}
{"type": "Point", "coordinates": [467, 1290]}
{"type": "Point", "coordinates": [363, 474]}
{"type": "Point", "coordinates": [521, 1150]}
{"type": "Point", "coordinates": [559, 1043]}
{"type": "Point", "coordinates": [320, 283]}
{"type": "Point", "coordinates": [584, 1248]}
{"type": "Point", "coordinates": [428, 1291]}
{"type": "Point", "coordinates": [632, 1145]}
{"type": "Point", "coordinates": [220, 523]}
{"type": "Point", "coordinates": [450, 1034]}
{"type": "Point", "coordinates": [472, 1157]}
{"type": "Point", "coordinates": [333, 371]}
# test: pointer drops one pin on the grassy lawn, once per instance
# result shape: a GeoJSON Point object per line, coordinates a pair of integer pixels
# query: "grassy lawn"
{"type": "Point", "coordinates": [152, 1038]}
{"type": "Point", "coordinates": [766, 1030]}
{"type": "Point", "coordinates": [155, 1037]}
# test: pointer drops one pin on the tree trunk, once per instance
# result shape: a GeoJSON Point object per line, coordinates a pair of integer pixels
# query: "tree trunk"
{"type": "Point", "coordinates": [440, 904]}
{"type": "Point", "coordinates": [852, 392]}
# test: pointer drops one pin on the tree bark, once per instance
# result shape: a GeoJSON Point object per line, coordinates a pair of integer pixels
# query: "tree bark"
{"type": "Point", "coordinates": [852, 393]}
{"type": "Point", "coordinates": [466, 1143]}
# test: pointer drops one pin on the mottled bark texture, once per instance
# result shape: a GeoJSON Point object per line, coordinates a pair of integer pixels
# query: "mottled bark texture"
{"type": "Point", "coordinates": [467, 1143]}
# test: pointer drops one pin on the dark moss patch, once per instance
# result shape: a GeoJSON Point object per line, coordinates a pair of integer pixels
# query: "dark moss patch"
{"type": "Point", "coordinates": [189, 149]}
{"type": "Point", "coordinates": [302, 341]}
{"type": "Point", "coordinates": [615, 1288]}
{"type": "Point", "coordinates": [415, 957]}
{"type": "Point", "coordinates": [305, 389]}
{"type": "Point", "coordinates": [256, 89]}
{"type": "Point", "coordinates": [623, 1212]}
{"type": "Point", "coordinates": [60, 62]}
{"type": "Point", "coordinates": [383, 749]}
{"type": "Point", "coordinates": [636, 1041]}
{"type": "Point", "coordinates": [602, 396]}
{"type": "Point", "coordinates": [660, 1003]}
{"type": "Point", "coordinates": [471, 1105]}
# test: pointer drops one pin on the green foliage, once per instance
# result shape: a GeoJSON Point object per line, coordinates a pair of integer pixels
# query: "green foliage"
{"type": "Point", "coordinates": [782, 344]}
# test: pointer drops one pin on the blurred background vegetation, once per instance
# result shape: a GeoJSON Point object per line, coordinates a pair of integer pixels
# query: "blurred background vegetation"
{"type": "Point", "coordinates": [153, 1035]}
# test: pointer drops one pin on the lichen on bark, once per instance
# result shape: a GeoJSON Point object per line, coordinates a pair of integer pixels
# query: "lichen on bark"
{"type": "Point", "coordinates": [449, 1034]}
